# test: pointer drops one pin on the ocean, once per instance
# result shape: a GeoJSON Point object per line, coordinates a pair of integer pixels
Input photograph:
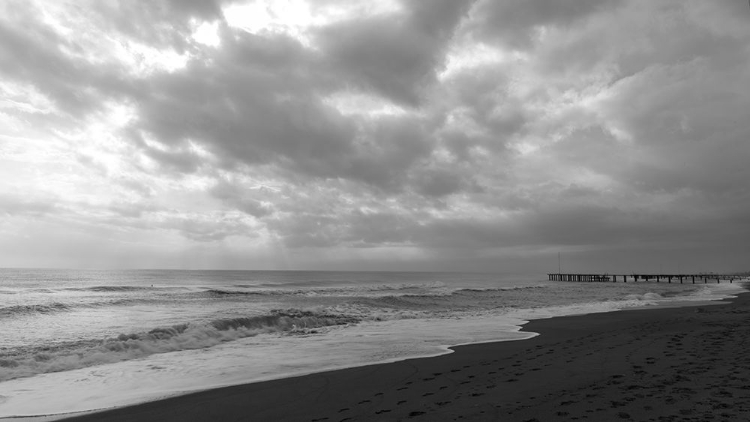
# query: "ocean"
{"type": "Point", "coordinates": [80, 340]}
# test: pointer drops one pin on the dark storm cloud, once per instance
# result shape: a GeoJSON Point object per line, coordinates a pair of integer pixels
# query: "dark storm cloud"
{"type": "Point", "coordinates": [693, 131]}
{"type": "Point", "coordinates": [251, 103]}
{"type": "Point", "coordinates": [681, 110]}
{"type": "Point", "coordinates": [259, 100]}
{"type": "Point", "coordinates": [664, 134]}
{"type": "Point", "coordinates": [396, 57]}
{"type": "Point", "coordinates": [482, 99]}
{"type": "Point", "coordinates": [391, 148]}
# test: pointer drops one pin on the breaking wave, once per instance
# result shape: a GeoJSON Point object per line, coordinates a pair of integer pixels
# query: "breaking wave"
{"type": "Point", "coordinates": [219, 292]}
{"type": "Point", "coordinates": [82, 354]}
{"type": "Point", "coordinates": [9, 311]}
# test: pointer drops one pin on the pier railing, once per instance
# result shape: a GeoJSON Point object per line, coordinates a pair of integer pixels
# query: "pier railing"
{"type": "Point", "coordinates": [706, 278]}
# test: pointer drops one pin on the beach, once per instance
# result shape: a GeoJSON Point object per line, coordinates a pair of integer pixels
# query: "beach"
{"type": "Point", "coordinates": [675, 363]}
{"type": "Point", "coordinates": [81, 341]}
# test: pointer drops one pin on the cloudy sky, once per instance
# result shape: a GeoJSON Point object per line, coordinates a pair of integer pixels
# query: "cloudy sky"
{"type": "Point", "coordinates": [461, 135]}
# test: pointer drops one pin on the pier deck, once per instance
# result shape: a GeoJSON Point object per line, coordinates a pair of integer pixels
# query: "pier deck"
{"type": "Point", "coordinates": [643, 277]}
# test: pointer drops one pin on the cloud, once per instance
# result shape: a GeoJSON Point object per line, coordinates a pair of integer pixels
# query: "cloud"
{"type": "Point", "coordinates": [16, 205]}
{"type": "Point", "coordinates": [212, 227]}
{"type": "Point", "coordinates": [241, 198]}
{"type": "Point", "coordinates": [448, 131]}
{"type": "Point", "coordinates": [395, 56]}
{"type": "Point", "coordinates": [517, 23]}
{"type": "Point", "coordinates": [248, 103]}
{"type": "Point", "coordinates": [34, 53]}
{"type": "Point", "coordinates": [256, 102]}
{"type": "Point", "coordinates": [165, 24]}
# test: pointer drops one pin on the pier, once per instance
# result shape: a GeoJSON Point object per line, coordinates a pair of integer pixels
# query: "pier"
{"type": "Point", "coordinates": [613, 278]}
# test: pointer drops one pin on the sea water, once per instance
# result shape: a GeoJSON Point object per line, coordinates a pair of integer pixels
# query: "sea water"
{"type": "Point", "coordinates": [79, 340]}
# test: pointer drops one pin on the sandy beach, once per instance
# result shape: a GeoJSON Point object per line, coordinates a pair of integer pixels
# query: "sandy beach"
{"type": "Point", "coordinates": [670, 364]}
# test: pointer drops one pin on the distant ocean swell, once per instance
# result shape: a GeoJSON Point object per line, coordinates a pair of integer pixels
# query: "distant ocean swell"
{"type": "Point", "coordinates": [111, 288]}
{"type": "Point", "coordinates": [57, 307]}
{"type": "Point", "coordinates": [20, 363]}
{"type": "Point", "coordinates": [340, 291]}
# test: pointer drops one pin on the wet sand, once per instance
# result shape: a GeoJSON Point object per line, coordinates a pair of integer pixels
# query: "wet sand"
{"type": "Point", "coordinates": [672, 364]}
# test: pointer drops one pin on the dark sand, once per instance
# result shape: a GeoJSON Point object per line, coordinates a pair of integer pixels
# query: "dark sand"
{"type": "Point", "coordinates": [677, 364]}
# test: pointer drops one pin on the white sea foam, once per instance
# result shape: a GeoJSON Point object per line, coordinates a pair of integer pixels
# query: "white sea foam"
{"type": "Point", "coordinates": [250, 359]}
{"type": "Point", "coordinates": [65, 357]}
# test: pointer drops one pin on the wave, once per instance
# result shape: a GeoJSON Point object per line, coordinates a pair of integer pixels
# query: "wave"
{"type": "Point", "coordinates": [74, 355]}
{"type": "Point", "coordinates": [9, 311]}
{"type": "Point", "coordinates": [647, 296]}
{"type": "Point", "coordinates": [501, 289]}
{"type": "Point", "coordinates": [441, 300]}
{"type": "Point", "coordinates": [320, 291]}
{"type": "Point", "coordinates": [110, 288]}
{"type": "Point", "coordinates": [59, 307]}
{"type": "Point", "coordinates": [219, 292]}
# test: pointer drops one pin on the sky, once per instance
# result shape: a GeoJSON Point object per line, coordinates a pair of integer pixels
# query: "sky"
{"type": "Point", "coordinates": [440, 135]}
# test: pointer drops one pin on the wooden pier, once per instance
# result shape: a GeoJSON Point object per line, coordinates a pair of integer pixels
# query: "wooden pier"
{"type": "Point", "coordinates": [613, 278]}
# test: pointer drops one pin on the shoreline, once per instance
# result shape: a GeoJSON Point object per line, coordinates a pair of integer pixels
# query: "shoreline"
{"type": "Point", "coordinates": [515, 380]}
